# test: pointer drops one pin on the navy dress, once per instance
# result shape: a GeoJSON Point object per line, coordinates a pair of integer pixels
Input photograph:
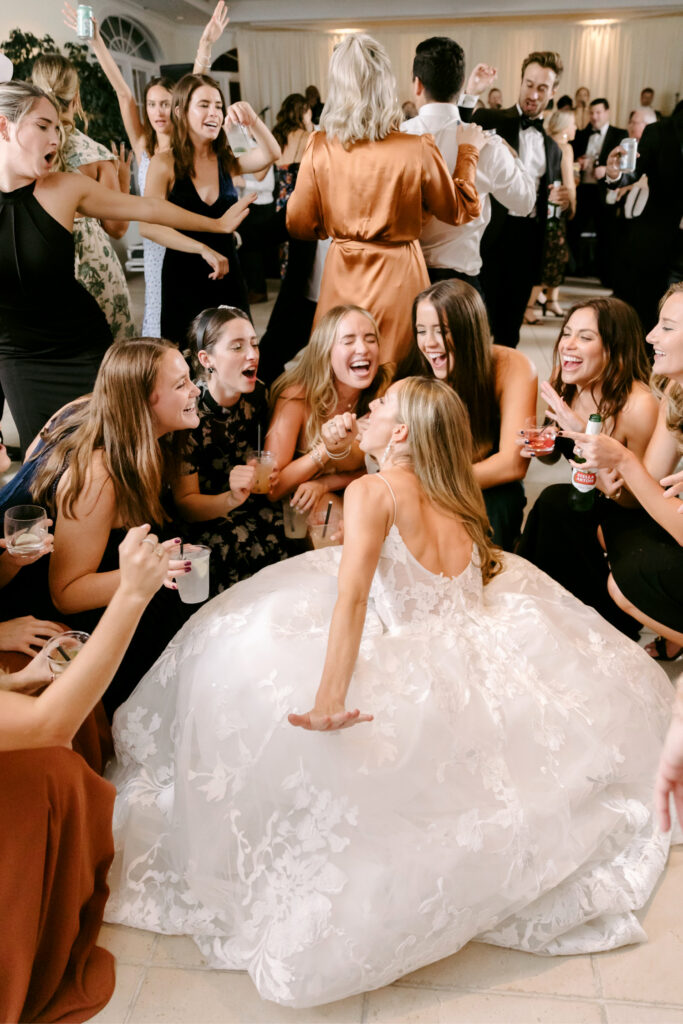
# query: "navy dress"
{"type": "Point", "coordinates": [185, 285]}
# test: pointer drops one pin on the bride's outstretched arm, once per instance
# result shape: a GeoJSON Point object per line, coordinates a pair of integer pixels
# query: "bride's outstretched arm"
{"type": "Point", "coordinates": [367, 517]}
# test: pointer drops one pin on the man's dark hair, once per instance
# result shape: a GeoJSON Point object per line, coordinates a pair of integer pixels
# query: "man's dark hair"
{"type": "Point", "coordinates": [647, 89]}
{"type": "Point", "coordinates": [439, 63]}
{"type": "Point", "coordinates": [545, 59]}
{"type": "Point", "coordinates": [600, 99]}
{"type": "Point", "coordinates": [565, 103]}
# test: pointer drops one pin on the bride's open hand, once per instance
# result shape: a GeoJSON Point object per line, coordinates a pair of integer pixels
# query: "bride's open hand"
{"type": "Point", "coordinates": [330, 720]}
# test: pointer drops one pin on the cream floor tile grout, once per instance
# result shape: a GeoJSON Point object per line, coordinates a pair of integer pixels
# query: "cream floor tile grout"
{"type": "Point", "coordinates": [145, 964]}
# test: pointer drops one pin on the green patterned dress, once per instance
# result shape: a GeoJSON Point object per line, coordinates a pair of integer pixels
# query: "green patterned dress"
{"type": "Point", "coordinates": [97, 265]}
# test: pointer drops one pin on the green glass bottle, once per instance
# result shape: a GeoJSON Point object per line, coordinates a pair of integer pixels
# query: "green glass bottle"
{"type": "Point", "coordinates": [582, 495]}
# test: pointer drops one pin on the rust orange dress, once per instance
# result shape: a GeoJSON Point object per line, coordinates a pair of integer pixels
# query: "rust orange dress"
{"type": "Point", "coordinates": [372, 200]}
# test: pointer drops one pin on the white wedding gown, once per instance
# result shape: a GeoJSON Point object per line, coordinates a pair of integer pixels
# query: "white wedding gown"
{"type": "Point", "coordinates": [503, 790]}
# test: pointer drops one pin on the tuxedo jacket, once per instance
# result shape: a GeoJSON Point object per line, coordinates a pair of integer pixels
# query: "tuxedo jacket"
{"type": "Point", "coordinates": [507, 124]}
{"type": "Point", "coordinates": [613, 137]}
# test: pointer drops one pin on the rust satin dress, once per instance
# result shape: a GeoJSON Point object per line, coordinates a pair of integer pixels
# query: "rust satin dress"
{"type": "Point", "coordinates": [372, 200]}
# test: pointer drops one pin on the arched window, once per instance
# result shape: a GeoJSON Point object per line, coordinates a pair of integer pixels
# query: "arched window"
{"type": "Point", "coordinates": [134, 50]}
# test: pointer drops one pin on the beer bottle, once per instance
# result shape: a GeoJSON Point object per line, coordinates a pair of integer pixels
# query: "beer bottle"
{"type": "Point", "coordinates": [582, 495]}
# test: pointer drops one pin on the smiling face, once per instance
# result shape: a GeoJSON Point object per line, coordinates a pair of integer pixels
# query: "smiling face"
{"type": "Point", "coordinates": [378, 427]}
{"type": "Point", "coordinates": [158, 107]}
{"type": "Point", "coordinates": [581, 351]}
{"type": "Point", "coordinates": [667, 339]}
{"type": "Point", "coordinates": [234, 361]}
{"type": "Point", "coordinates": [173, 401]}
{"type": "Point", "coordinates": [355, 352]}
{"type": "Point", "coordinates": [205, 114]}
{"type": "Point", "coordinates": [33, 141]}
{"type": "Point", "coordinates": [536, 90]}
{"type": "Point", "coordinates": [436, 349]}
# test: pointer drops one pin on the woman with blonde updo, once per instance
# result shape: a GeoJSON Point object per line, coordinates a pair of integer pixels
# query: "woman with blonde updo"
{"type": "Point", "coordinates": [97, 265]}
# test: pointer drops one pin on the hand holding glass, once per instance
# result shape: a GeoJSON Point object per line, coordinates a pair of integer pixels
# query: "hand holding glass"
{"type": "Point", "coordinates": [25, 529]}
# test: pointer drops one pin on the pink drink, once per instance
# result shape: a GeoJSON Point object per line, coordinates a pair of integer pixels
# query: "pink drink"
{"type": "Point", "coordinates": [541, 439]}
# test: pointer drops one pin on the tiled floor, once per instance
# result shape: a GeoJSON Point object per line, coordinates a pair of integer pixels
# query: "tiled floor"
{"type": "Point", "coordinates": [163, 979]}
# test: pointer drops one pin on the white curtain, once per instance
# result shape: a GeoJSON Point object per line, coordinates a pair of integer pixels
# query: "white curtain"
{"type": "Point", "coordinates": [615, 61]}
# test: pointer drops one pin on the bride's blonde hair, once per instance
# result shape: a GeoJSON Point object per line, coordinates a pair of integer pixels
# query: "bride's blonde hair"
{"type": "Point", "coordinates": [440, 454]}
{"type": "Point", "coordinates": [362, 98]}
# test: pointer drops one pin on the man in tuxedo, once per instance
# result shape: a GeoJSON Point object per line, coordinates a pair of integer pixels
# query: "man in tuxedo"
{"type": "Point", "coordinates": [656, 251]}
{"type": "Point", "coordinates": [592, 145]}
{"type": "Point", "coordinates": [512, 246]}
{"type": "Point", "coordinates": [647, 99]}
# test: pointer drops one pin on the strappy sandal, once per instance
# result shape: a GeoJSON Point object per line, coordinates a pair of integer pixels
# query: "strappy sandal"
{"type": "Point", "coordinates": [526, 318]}
{"type": "Point", "coordinates": [659, 643]}
{"type": "Point", "coordinates": [554, 309]}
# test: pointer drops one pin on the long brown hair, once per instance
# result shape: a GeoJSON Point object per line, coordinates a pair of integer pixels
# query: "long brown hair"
{"type": "Point", "coordinates": [440, 453]}
{"type": "Point", "coordinates": [467, 341]}
{"type": "Point", "coordinates": [659, 383]}
{"type": "Point", "coordinates": [181, 143]}
{"type": "Point", "coordinates": [312, 372]}
{"type": "Point", "coordinates": [626, 361]}
{"type": "Point", "coordinates": [290, 117]}
{"type": "Point", "coordinates": [119, 424]}
{"type": "Point", "coordinates": [151, 141]}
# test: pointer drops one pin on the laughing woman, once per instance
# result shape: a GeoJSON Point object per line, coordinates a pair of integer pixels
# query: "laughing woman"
{"type": "Point", "coordinates": [52, 332]}
{"type": "Point", "coordinates": [243, 530]}
{"type": "Point", "coordinates": [197, 176]}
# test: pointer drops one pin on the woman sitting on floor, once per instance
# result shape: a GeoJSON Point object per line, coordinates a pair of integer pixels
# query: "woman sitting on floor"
{"type": "Point", "coordinates": [56, 854]}
{"type": "Point", "coordinates": [243, 530]}
{"type": "Point", "coordinates": [497, 385]}
{"type": "Point", "coordinates": [337, 373]}
{"type": "Point", "coordinates": [600, 366]}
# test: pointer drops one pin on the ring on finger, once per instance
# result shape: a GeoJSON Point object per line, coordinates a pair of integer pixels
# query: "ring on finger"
{"type": "Point", "coordinates": [578, 450]}
{"type": "Point", "coordinates": [149, 540]}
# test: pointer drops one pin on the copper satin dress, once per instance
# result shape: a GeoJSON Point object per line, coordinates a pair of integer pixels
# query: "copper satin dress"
{"type": "Point", "coordinates": [372, 200]}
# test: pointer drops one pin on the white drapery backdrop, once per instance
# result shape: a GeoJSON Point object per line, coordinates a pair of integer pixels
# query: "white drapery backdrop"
{"type": "Point", "coordinates": [615, 61]}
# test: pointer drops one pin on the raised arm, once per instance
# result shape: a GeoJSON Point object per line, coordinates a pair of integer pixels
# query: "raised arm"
{"type": "Point", "coordinates": [124, 94]}
{"type": "Point", "coordinates": [516, 387]}
{"type": "Point", "coordinates": [214, 29]}
{"type": "Point", "coordinates": [368, 513]}
{"type": "Point", "coordinates": [53, 717]}
{"type": "Point", "coordinates": [267, 149]}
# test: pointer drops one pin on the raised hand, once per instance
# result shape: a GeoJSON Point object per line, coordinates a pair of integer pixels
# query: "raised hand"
{"type": "Point", "coordinates": [240, 113]}
{"type": "Point", "coordinates": [143, 562]}
{"type": "Point", "coordinates": [339, 433]}
{"type": "Point", "coordinates": [559, 410]}
{"type": "Point", "coordinates": [471, 135]}
{"type": "Point", "coordinates": [241, 481]}
{"type": "Point", "coordinates": [613, 162]}
{"type": "Point", "coordinates": [481, 78]}
{"type": "Point", "coordinates": [216, 25]}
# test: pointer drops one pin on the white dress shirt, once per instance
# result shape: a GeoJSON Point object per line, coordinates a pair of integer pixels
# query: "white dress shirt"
{"type": "Point", "coordinates": [498, 174]}
{"type": "Point", "coordinates": [532, 155]}
{"type": "Point", "coordinates": [595, 144]}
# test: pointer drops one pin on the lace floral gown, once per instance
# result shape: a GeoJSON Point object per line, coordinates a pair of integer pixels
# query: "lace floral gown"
{"type": "Point", "coordinates": [503, 790]}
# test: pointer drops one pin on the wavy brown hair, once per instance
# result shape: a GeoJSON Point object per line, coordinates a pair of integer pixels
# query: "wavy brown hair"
{"type": "Point", "coordinates": [467, 341]}
{"type": "Point", "coordinates": [440, 446]}
{"type": "Point", "coordinates": [290, 117]}
{"type": "Point", "coordinates": [626, 361]}
{"type": "Point", "coordinates": [181, 142]}
{"type": "Point", "coordinates": [119, 424]}
{"type": "Point", "coordinates": [151, 140]}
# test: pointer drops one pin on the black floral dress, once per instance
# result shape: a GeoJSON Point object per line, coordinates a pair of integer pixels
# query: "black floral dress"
{"type": "Point", "coordinates": [252, 536]}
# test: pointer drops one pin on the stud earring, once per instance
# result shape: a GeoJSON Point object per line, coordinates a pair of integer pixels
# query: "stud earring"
{"type": "Point", "coordinates": [210, 369]}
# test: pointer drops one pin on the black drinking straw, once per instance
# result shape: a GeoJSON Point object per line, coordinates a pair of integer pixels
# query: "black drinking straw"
{"type": "Point", "coordinates": [63, 653]}
{"type": "Point", "coordinates": [327, 517]}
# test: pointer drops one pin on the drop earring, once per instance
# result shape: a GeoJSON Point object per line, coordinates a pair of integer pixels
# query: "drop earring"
{"type": "Point", "coordinates": [387, 452]}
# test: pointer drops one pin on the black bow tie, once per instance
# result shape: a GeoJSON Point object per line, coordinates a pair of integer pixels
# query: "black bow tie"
{"type": "Point", "coordinates": [595, 131]}
{"type": "Point", "coordinates": [530, 122]}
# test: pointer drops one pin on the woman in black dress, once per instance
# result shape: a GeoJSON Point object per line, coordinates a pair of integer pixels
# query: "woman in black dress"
{"type": "Point", "coordinates": [196, 175]}
{"type": "Point", "coordinates": [599, 366]}
{"type": "Point", "coordinates": [645, 545]}
{"type": "Point", "coordinates": [52, 332]}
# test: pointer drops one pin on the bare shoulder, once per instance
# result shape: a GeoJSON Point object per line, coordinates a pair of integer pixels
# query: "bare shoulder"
{"type": "Point", "coordinates": [296, 392]}
{"type": "Point", "coordinates": [641, 401]}
{"type": "Point", "coordinates": [510, 364]}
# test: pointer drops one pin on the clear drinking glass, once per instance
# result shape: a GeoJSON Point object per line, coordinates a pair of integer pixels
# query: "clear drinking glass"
{"type": "Point", "coordinates": [62, 649]}
{"type": "Point", "coordinates": [25, 529]}
{"type": "Point", "coordinates": [264, 463]}
{"type": "Point", "coordinates": [193, 586]}
{"type": "Point", "coordinates": [539, 435]}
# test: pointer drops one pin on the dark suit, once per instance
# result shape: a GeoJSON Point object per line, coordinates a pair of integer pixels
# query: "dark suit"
{"type": "Point", "coordinates": [655, 256]}
{"type": "Point", "coordinates": [593, 215]}
{"type": "Point", "coordinates": [512, 247]}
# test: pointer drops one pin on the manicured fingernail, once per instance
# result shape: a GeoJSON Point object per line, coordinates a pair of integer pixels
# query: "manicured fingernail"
{"type": "Point", "coordinates": [174, 586]}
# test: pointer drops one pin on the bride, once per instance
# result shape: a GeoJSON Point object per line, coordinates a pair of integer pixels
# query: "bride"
{"type": "Point", "coordinates": [480, 762]}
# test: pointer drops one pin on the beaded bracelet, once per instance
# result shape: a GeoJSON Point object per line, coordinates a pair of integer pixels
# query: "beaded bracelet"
{"type": "Point", "coordinates": [339, 456]}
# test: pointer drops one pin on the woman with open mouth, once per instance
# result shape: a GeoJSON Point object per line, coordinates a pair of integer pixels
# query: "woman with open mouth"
{"type": "Point", "coordinates": [52, 332]}
{"type": "Point", "coordinates": [333, 379]}
{"type": "Point", "coordinates": [600, 366]}
{"type": "Point", "coordinates": [201, 271]}
{"type": "Point", "coordinates": [497, 385]}
{"type": "Point", "coordinates": [214, 491]}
